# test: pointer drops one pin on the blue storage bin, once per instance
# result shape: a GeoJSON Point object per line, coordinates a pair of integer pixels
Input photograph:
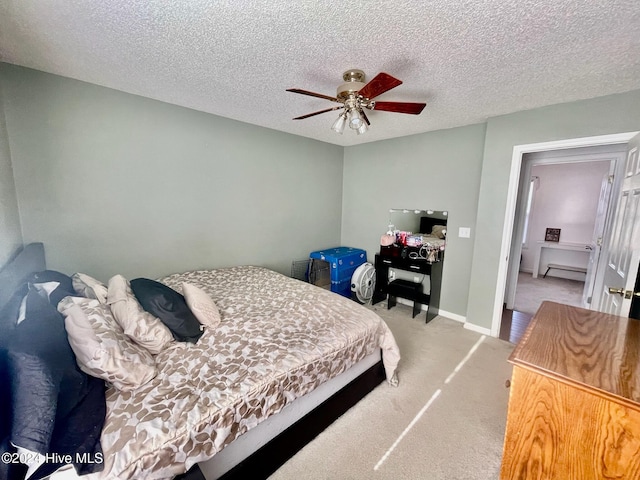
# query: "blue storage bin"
{"type": "Point", "coordinates": [342, 261]}
{"type": "Point", "coordinates": [342, 288]}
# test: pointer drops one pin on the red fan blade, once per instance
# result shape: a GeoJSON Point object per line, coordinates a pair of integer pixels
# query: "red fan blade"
{"type": "Point", "coordinates": [383, 82]}
{"type": "Point", "coordinates": [400, 107]}
{"type": "Point", "coordinates": [312, 94]}
{"type": "Point", "coordinates": [317, 113]}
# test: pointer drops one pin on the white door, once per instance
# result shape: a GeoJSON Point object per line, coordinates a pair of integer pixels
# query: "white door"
{"type": "Point", "coordinates": [525, 190]}
{"type": "Point", "coordinates": [624, 252]}
{"type": "Point", "coordinates": [596, 239]}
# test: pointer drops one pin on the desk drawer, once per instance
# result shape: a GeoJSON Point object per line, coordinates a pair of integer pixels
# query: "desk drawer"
{"type": "Point", "coordinates": [422, 267]}
{"type": "Point", "coordinates": [419, 266]}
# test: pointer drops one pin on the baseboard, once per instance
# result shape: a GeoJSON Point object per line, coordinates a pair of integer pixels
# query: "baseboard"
{"type": "Point", "coordinates": [478, 329]}
{"type": "Point", "coordinates": [452, 316]}
{"type": "Point", "coordinates": [444, 313]}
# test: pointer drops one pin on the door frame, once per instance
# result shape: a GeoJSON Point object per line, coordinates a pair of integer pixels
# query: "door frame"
{"type": "Point", "coordinates": [512, 196]}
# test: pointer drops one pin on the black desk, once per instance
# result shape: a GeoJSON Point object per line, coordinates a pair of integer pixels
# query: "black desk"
{"type": "Point", "coordinates": [418, 266]}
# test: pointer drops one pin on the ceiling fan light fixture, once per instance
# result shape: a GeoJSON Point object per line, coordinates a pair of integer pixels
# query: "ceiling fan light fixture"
{"type": "Point", "coordinates": [338, 125]}
{"type": "Point", "coordinates": [354, 95]}
{"type": "Point", "coordinates": [355, 120]}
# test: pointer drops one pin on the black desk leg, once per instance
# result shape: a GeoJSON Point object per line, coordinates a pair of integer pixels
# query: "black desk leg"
{"type": "Point", "coordinates": [391, 302]}
{"type": "Point", "coordinates": [431, 314]}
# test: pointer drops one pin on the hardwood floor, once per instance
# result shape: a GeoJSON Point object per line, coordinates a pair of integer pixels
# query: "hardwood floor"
{"type": "Point", "coordinates": [513, 325]}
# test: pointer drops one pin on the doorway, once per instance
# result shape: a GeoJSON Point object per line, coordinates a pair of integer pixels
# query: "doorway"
{"type": "Point", "coordinates": [512, 194]}
{"type": "Point", "coordinates": [567, 190]}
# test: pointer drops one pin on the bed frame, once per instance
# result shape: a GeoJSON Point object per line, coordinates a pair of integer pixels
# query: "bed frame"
{"type": "Point", "coordinates": [267, 459]}
{"type": "Point", "coordinates": [262, 450]}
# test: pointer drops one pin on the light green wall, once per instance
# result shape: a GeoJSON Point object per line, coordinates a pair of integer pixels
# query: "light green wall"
{"type": "Point", "coordinates": [116, 183]}
{"type": "Point", "coordinates": [438, 171]}
{"type": "Point", "coordinates": [10, 233]}
{"type": "Point", "coordinates": [599, 116]}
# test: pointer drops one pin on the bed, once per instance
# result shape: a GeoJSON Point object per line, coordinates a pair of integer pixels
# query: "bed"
{"type": "Point", "coordinates": [286, 359]}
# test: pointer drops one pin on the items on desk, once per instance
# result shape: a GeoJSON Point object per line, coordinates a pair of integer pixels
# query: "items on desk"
{"type": "Point", "coordinates": [387, 240]}
{"type": "Point", "coordinates": [397, 243]}
{"type": "Point", "coordinates": [413, 240]}
{"type": "Point", "coordinates": [552, 235]}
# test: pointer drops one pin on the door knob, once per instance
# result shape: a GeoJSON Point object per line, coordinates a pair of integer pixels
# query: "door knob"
{"type": "Point", "coordinates": [627, 294]}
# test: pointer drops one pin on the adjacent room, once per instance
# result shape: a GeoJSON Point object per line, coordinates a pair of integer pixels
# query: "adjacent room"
{"type": "Point", "coordinates": [563, 203]}
{"type": "Point", "coordinates": [203, 148]}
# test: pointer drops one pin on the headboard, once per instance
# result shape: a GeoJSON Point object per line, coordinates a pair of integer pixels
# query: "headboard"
{"type": "Point", "coordinates": [29, 259]}
{"type": "Point", "coordinates": [427, 223]}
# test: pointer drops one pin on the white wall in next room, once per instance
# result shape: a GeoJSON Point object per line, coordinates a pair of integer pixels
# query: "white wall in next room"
{"type": "Point", "coordinates": [565, 197]}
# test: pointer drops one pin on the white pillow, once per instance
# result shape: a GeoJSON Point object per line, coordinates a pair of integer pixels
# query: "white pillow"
{"type": "Point", "coordinates": [201, 305]}
{"type": "Point", "coordinates": [141, 326]}
{"type": "Point", "coordinates": [101, 347]}
{"type": "Point", "coordinates": [89, 287]}
{"type": "Point", "coordinates": [45, 289]}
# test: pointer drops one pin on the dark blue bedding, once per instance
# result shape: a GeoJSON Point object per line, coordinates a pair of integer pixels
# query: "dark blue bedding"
{"type": "Point", "coordinates": [47, 404]}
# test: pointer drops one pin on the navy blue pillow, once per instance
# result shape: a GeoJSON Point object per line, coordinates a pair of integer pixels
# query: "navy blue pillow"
{"type": "Point", "coordinates": [169, 306]}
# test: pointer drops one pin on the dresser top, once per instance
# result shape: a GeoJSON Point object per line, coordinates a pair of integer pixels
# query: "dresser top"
{"type": "Point", "coordinates": [591, 350]}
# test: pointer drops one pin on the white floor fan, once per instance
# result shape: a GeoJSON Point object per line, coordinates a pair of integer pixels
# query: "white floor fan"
{"type": "Point", "coordinates": [363, 283]}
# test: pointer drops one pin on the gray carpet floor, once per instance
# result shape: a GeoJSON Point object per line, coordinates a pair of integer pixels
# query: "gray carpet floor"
{"type": "Point", "coordinates": [431, 426]}
{"type": "Point", "coordinates": [531, 292]}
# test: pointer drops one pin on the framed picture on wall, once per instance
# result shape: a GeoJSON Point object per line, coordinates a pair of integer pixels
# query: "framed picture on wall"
{"type": "Point", "coordinates": [552, 235]}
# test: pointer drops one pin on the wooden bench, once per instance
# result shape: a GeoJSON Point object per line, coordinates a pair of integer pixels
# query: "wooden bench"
{"type": "Point", "coordinates": [568, 268]}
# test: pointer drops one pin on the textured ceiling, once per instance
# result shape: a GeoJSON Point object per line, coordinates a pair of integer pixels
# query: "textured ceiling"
{"type": "Point", "coordinates": [468, 60]}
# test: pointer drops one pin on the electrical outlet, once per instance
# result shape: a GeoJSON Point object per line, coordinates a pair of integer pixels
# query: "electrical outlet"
{"type": "Point", "coordinates": [464, 232]}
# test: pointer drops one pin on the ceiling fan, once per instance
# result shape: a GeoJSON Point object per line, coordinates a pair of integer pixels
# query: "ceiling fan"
{"type": "Point", "coordinates": [354, 96]}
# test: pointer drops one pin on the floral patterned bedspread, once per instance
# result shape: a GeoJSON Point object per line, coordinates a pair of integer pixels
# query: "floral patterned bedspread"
{"type": "Point", "coordinates": [279, 338]}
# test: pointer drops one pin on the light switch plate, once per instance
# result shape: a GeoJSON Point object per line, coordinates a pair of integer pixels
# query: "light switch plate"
{"type": "Point", "coordinates": [464, 232]}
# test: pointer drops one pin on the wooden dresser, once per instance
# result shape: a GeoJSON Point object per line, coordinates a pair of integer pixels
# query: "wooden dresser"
{"type": "Point", "coordinates": [574, 403]}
